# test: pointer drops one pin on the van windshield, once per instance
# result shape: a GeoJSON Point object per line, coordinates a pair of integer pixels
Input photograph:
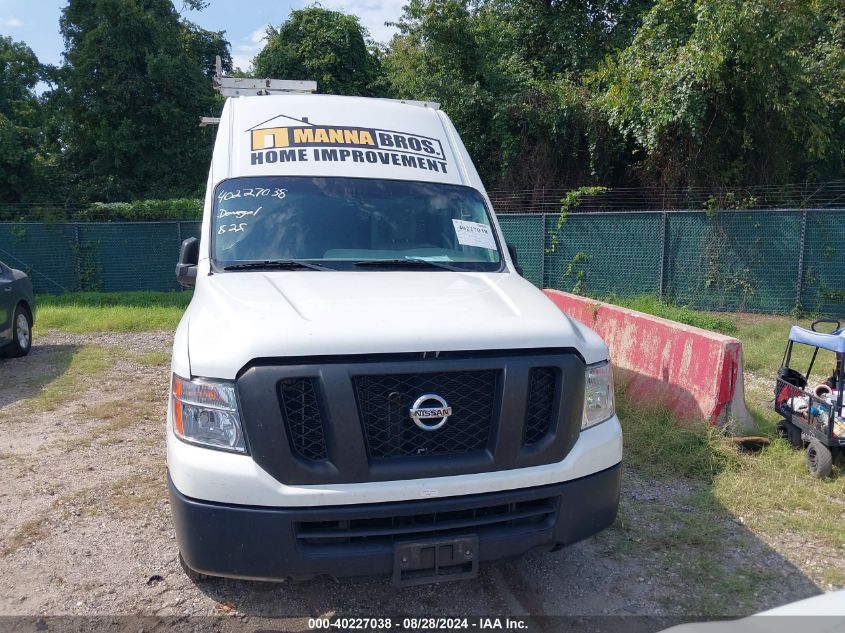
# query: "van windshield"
{"type": "Point", "coordinates": [341, 222]}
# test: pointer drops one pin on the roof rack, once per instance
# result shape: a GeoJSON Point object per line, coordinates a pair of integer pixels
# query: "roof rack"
{"type": "Point", "coordinates": [248, 86]}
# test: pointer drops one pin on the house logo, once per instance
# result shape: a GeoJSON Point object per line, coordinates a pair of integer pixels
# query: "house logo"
{"type": "Point", "coordinates": [284, 139]}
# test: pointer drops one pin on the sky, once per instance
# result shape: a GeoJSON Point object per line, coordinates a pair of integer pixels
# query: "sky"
{"type": "Point", "coordinates": [36, 22]}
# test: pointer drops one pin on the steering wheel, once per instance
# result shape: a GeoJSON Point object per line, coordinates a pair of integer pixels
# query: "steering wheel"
{"type": "Point", "coordinates": [817, 321]}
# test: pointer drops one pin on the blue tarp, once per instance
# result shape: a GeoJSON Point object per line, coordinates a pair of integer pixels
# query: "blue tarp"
{"type": "Point", "coordinates": [835, 341]}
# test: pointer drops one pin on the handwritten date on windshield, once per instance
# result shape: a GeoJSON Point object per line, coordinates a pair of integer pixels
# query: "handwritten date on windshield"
{"type": "Point", "coordinates": [232, 228]}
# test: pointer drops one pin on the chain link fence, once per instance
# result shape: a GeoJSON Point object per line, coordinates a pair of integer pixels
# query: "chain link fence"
{"type": "Point", "coordinates": [773, 260]}
{"type": "Point", "coordinates": [107, 256]}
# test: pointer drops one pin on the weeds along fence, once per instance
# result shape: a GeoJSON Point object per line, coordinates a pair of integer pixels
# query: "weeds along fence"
{"type": "Point", "coordinates": [772, 260]}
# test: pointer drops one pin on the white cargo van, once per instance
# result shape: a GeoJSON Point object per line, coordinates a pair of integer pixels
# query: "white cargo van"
{"type": "Point", "coordinates": [363, 383]}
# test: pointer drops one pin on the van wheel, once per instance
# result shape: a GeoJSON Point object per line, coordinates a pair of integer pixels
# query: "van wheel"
{"type": "Point", "coordinates": [793, 434]}
{"type": "Point", "coordinates": [819, 459]}
{"type": "Point", "coordinates": [21, 333]}
{"type": "Point", "coordinates": [192, 575]}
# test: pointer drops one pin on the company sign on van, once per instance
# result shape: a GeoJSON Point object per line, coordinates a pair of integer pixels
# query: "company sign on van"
{"type": "Point", "coordinates": [304, 141]}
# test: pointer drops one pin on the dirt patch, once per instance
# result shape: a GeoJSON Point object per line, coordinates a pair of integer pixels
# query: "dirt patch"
{"type": "Point", "coordinates": [85, 526]}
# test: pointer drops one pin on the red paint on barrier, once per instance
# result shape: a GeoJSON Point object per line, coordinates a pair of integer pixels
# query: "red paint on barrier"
{"type": "Point", "coordinates": [696, 373]}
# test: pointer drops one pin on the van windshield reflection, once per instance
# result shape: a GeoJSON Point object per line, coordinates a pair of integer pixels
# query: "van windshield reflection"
{"type": "Point", "coordinates": [351, 224]}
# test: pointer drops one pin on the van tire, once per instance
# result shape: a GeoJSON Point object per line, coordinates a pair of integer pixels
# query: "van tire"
{"type": "Point", "coordinates": [819, 459]}
{"type": "Point", "coordinates": [193, 576]}
{"type": "Point", "coordinates": [21, 333]}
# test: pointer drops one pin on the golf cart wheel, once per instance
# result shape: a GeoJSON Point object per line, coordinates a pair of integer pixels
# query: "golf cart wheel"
{"type": "Point", "coordinates": [21, 333]}
{"type": "Point", "coordinates": [192, 575]}
{"type": "Point", "coordinates": [793, 434]}
{"type": "Point", "coordinates": [819, 459]}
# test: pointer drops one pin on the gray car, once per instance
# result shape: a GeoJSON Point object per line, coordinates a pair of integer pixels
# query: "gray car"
{"type": "Point", "coordinates": [17, 312]}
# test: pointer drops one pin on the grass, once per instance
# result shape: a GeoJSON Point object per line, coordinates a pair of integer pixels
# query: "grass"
{"type": "Point", "coordinates": [152, 359]}
{"type": "Point", "coordinates": [651, 304]}
{"type": "Point", "coordinates": [764, 341]}
{"type": "Point", "coordinates": [29, 532]}
{"type": "Point", "coordinates": [770, 493]}
{"type": "Point", "coordinates": [657, 444]}
{"type": "Point", "coordinates": [110, 417]}
{"type": "Point", "coordinates": [120, 414]}
{"type": "Point", "coordinates": [692, 539]}
{"type": "Point", "coordinates": [771, 490]}
{"type": "Point", "coordinates": [84, 365]}
{"type": "Point", "coordinates": [136, 494]}
{"type": "Point", "coordinates": [88, 312]}
{"type": "Point", "coordinates": [773, 493]}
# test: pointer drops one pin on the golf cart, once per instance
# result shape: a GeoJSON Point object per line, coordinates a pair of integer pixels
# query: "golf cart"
{"type": "Point", "coordinates": [813, 416]}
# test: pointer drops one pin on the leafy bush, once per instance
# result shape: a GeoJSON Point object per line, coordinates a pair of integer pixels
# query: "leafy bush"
{"type": "Point", "coordinates": [137, 211]}
{"type": "Point", "coordinates": [143, 210]}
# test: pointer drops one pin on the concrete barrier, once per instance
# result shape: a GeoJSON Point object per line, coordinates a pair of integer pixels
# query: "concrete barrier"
{"type": "Point", "coordinates": [694, 372]}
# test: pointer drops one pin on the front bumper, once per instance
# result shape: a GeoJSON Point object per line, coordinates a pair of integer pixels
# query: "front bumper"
{"type": "Point", "coordinates": [233, 479]}
{"type": "Point", "coordinates": [262, 543]}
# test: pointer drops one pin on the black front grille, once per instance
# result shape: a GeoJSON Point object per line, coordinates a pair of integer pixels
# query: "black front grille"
{"type": "Point", "coordinates": [517, 516]}
{"type": "Point", "coordinates": [385, 401]}
{"type": "Point", "coordinates": [539, 418]}
{"type": "Point", "coordinates": [303, 418]}
{"type": "Point", "coordinates": [345, 420]}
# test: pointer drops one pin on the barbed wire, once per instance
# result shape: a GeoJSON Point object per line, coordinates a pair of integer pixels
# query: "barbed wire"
{"type": "Point", "coordinates": [791, 196]}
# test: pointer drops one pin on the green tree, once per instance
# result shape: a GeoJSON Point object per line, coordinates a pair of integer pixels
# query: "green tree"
{"type": "Point", "coordinates": [131, 93]}
{"type": "Point", "coordinates": [509, 74]}
{"type": "Point", "coordinates": [204, 47]}
{"type": "Point", "coordinates": [326, 46]}
{"type": "Point", "coordinates": [20, 116]}
{"type": "Point", "coordinates": [732, 91]}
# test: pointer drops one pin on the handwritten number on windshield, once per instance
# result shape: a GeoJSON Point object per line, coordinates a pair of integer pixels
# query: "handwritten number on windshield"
{"type": "Point", "coordinates": [252, 192]}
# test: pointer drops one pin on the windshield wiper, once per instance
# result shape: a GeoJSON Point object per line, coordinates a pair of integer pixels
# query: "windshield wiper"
{"type": "Point", "coordinates": [406, 263]}
{"type": "Point", "coordinates": [276, 264]}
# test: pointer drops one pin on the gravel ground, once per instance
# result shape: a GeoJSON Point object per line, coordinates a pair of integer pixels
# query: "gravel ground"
{"type": "Point", "coordinates": [86, 528]}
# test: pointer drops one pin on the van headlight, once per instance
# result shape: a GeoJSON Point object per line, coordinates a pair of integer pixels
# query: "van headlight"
{"type": "Point", "coordinates": [205, 412]}
{"type": "Point", "coordinates": [598, 395]}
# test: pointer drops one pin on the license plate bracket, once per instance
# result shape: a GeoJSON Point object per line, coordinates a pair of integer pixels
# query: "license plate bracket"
{"type": "Point", "coordinates": [435, 560]}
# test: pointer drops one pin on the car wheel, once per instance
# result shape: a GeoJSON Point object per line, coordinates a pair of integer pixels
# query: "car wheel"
{"type": "Point", "coordinates": [819, 459]}
{"type": "Point", "coordinates": [21, 333]}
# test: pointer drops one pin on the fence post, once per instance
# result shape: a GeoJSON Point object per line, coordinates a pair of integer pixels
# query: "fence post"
{"type": "Point", "coordinates": [661, 290]}
{"type": "Point", "coordinates": [542, 250]}
{"type": "Point", "coordinates": [78, 285]}
{"type": "Point", "coordinates": [799, 287]}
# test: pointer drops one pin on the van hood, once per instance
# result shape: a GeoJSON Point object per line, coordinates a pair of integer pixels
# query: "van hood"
{"type": "Point", "coordinates": [236, 317]}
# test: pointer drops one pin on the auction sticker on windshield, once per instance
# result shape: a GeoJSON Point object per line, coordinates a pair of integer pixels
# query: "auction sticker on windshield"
{"type": "Point", "coordinates": [474, 234]}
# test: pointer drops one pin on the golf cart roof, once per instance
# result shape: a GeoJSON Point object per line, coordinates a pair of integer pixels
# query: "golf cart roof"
{"type": "Point", "coordinates": [834, 341]}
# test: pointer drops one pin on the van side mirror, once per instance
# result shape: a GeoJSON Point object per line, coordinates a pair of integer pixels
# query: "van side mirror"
{"type": "Point", "coordinates": [512, 253]}
{"type": "Point", "coordinates": [189, 257]}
